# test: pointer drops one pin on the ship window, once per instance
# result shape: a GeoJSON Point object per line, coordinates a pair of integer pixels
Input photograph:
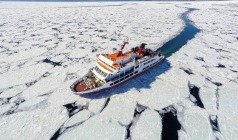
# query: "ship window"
{"type": "Point", "coordinates": [114, 78]}
{"type": "Point", "coordinates": [111, 84]}
{"type": "Point", "coordinates": [127, 76]}
{"type": "Point", "coordinates": [146, 62]}
{"type": "Point", "coordinates": [122, 79]}
{"type": "Point", "coordinates": [136, 72]}
{"type": "Point", "coordinates": [100, 72]}
{"type": "Point", "coordinates": [104, 74]}
{"type": "Point", "coordinates": [131, 70]}
{"type": "Point", "coordinates": [116, 82]}
{"type": "Point", "coordinates": [137, 67]}
{"type": "Point", "coordinates": [131, 74]}
{"type": "Point", "coordinates": [122, 74]}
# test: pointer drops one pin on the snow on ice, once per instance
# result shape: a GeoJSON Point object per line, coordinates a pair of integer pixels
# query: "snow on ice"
{"type": "Point", "coordinates": [44, 47]}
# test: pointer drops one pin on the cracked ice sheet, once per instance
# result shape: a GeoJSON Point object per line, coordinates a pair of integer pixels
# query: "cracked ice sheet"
{"type": "Point", "coordinates": [23, 54]}
{"type": "Point", "coordinates": [37, 124]}
{"type": "Point", "coordinates": [121, 108]}
{"type": "Point", "coordinates": [96, 128]}
{"type": "Point", "coordinates": [208, 97]}
{"type": "Point", "coordinates": [4, 108]}
{"type": "Point", "coordinates": [32, 32]}
{"type": "Point", "coordinates": [74, 17]}
{"type": "Point", "coordinates": [216, 44]}
{"type": "Point", "coordinates": [24, 75]}
{"type": "Point", "coordinates": [219, 38]}
{"type": "Point", "coordinates": [77, 118]}
{"type": "Point", "coordinates": [13, 91]}
{"type": "Point", "coordinates": [35, 103]}
{"type": "Point", "coordinates": [196, 123]}
{"type": "Point", "coordinates": [163, 92]}
{"type": "Point", "coordinates": [96, 106]}
{"type": "Point", "coordinates": [167, 25]}
{"type": "Point", "coordinates": [63, 95]}
{"type": "Point", "coordinates": [44, 86]}
{"type": "Point", "coordinates": [148, 127]}
{"type": "Point", "coordinates": [228, 112]}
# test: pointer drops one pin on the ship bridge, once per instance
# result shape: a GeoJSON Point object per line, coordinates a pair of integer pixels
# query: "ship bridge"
{"type": "Point", "coordinates": [116, 60]}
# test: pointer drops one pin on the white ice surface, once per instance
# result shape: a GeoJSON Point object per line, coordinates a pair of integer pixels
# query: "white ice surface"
{"type": "Point", "coordinates": [96, 106]}
{"type": "Point", "coordinates": [33, 93]}
{"type": "Point", "coordinates": [77, 118]}
{"type": "Point", "coordinates": [32, 124]}
{"type": "Point", "coordinates": [148, 127]}
{"type": "Point", "coordinates": [96, 128]}
{"type": "Point", "coordinates": [228, 111]}
{"type": "Point", "coordinates": [13, 91]}
{"type": "Point", "coordinates": [121, 108]}
{"type": "Point", "coordinates": [195, 122]}
{"type": "Point", "coordinates": [44, 86]}
{"type": "Point", "coordinates": [24, 75]}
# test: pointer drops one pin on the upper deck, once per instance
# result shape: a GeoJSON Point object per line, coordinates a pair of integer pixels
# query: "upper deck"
{"type": "Point", "coordinates": [117, 56]}
{"type": "Point", "coordinates": [115, 60]}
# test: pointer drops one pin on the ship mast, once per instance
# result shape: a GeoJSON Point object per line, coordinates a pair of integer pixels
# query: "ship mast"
{"type": "Point", "coordinates": [122, 47]}
{"type": "Point", "coordinates": [120, 53]}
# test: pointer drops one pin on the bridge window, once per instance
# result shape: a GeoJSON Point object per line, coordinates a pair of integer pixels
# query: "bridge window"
{"type": "Point", "coordinates": [99, 71]}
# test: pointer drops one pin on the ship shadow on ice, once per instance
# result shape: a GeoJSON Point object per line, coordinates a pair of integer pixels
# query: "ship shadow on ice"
{"type": "Point", "coordinates": [142, 81]}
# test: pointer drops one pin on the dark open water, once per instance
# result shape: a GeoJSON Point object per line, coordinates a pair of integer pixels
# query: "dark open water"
{"type": "Point", "coordinates": [181, 39]}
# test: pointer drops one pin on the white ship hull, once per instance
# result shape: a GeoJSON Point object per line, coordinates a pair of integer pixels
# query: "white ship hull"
{"type": "Point", "coordinates": [139, 66]}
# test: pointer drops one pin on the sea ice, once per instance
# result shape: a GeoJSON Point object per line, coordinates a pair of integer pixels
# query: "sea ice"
{"type": "Point", "coordinates": [148, 127]}
{"type": "Point", "coordinates": [45, 47]}
{"type": "Point", "coordinates": [96, 128]}
{"type": "Point", "coordinates": [32, 124]}
{"type": "Point", "coordinates": [24, 75]}
{"type": "Point", "coordinates": [228, 111]}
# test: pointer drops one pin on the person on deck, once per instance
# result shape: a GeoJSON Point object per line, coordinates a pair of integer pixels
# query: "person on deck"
{"type": "Point", "coordinates": [141, 49]}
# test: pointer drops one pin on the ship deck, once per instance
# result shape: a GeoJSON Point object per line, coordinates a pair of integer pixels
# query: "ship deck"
{"type": "Point", "coordinates": [115, 57]}
{"type": "Point", "coordinates": [84, 85]}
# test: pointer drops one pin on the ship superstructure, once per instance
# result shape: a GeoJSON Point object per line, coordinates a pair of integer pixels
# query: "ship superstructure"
{"type": "Point", "coordinates": [116, 68]}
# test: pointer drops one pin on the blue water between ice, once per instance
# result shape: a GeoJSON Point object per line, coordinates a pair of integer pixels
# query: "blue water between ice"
{"type": "Point", "coordinates": [182, 38]}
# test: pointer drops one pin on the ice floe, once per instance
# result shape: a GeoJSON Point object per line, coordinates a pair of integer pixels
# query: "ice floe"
{"type": "Point", "coordinates": [44, 47]}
